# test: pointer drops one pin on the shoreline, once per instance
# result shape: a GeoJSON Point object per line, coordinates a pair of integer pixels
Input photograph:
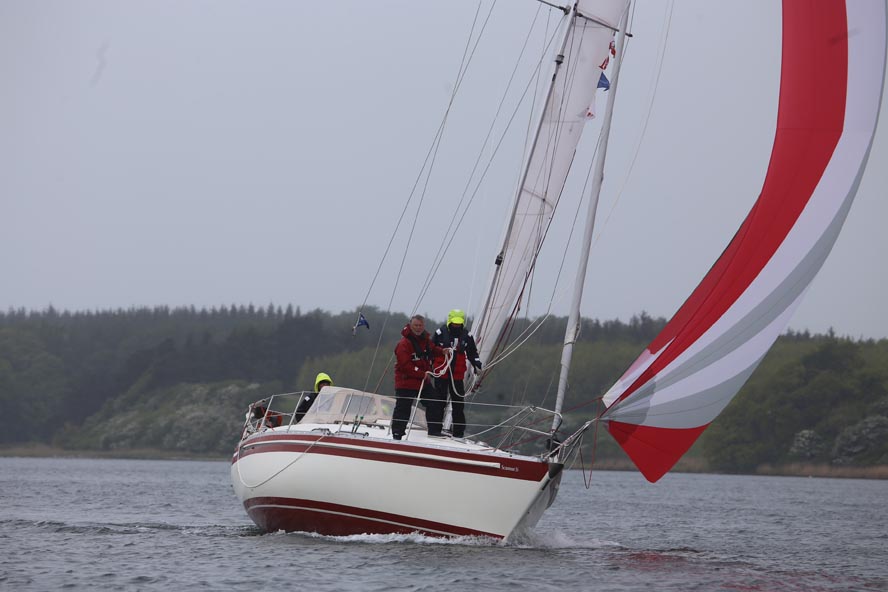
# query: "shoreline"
{"type": "Point", "coordinates": [684, 466]}
{"type": "Point", "coordinates": [766, 470]}
{"type": "Point", "coordinates": [44, 451]}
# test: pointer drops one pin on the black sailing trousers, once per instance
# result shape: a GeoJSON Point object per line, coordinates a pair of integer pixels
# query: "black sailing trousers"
{"type": "Point", "coordinates": [405, 398]}
{"type": "Point", "coordinates": [456, 390]}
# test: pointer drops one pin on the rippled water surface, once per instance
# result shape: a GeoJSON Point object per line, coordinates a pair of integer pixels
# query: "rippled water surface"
{"type": "Point", "coordinates": [170, 525]}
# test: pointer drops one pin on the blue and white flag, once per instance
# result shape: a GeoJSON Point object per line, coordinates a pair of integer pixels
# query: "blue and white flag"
{"type": "Point", "coordinates": [603, 82]}
{"type": "Point", "coordinates": [362, 322]}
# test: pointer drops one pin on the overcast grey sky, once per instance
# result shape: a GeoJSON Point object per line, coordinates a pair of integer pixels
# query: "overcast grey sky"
{"type": "Point", "coordinates": [209, 153]}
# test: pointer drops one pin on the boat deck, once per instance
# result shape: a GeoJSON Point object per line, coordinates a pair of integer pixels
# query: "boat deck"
{"type": "Point", "coordinates": [382, 432]}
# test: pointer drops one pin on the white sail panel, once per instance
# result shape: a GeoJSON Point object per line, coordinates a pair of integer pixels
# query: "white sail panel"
{"type": "Point", "coordinates": [587, 48]}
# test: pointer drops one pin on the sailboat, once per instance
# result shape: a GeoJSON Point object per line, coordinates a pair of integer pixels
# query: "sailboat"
{"type": "Point", "coordinates": [337, 470]}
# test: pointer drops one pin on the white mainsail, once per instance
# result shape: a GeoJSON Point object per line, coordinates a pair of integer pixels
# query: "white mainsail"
{"type": "Point", "coordinates": [587, 35]}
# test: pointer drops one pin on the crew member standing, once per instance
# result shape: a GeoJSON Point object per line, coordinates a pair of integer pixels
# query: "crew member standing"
{"type": "Point", "coordinates": [414, 354]}
{"type": "Point", "coordinates": [450, 384]}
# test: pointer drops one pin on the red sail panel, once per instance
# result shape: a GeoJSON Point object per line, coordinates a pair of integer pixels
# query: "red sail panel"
{"type": "Point", "coordinates": [810, 122]}
{"type": "Point", "coordinates": [658, 448]}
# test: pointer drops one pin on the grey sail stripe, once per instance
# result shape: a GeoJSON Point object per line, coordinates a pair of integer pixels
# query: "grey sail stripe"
{"type": "Point", "coordinates": [687, 412]}
{"type": "Point", "coordinates": [683, 413]}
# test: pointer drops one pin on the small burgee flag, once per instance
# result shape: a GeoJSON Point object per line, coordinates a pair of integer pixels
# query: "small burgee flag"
{"type": "Point", "coordinates": [362, 322]}
{"type": "Point", "coordinates": [603, 82]}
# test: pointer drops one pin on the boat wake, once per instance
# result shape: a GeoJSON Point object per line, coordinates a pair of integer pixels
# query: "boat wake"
{"type": "Point", "coordinates": [528, 540]}
{"type": "Point", "coordinates": [557, 540]}
{"type": "Point", "coordinates": [131, 528]}
{"type": "Point", "coordinates": [388, 539]}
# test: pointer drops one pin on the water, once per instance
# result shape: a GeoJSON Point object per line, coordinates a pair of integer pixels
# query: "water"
{"type": "Point", "coordinates": [170, 525]}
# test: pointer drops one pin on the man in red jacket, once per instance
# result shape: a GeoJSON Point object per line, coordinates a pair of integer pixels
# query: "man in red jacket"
{"type": "Point", "coordinates": [414, 355]}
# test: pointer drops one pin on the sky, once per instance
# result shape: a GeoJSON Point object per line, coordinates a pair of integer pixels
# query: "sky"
{"type": "Point", "coordinates": [213, 153]}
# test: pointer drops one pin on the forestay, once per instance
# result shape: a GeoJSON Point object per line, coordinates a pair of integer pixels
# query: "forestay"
{"type": "Point", "coordinates": [586, 43]}
{"type": "Point", "coordinates": [832, 76]}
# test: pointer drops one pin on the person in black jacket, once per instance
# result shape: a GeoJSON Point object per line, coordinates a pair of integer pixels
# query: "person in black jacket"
{"type": "Point", "coordinates": [450, 384]}
{"type": "Point", "coordinates": [321, 380]}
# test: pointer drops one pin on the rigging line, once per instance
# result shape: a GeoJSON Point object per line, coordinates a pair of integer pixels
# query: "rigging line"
{"type": "Point", "coordinates": [568, 83]}
{"type": "Point", "coordinates": [384, 373]}
{"type": "Point", "coordinates": [397, 279]}
{"type": "Point", "coordinates": [453, 97]}
{"type": "Point", "coordinates": [567, 86]}
{"type": "Point", "coordinates": [483, 175]}
{"type": "Point", "coordinates": [444, 246]}
{"type": "Point", "coordinates": [522, 338]}
{"type": "Point", "coordinates": [564, 9]}
{"type": "Point", "coordinates": [443, 251]}
{"type": "Point", "coordinates": [594, 454]}
{"type": "Point", "coordinates": [509, 406]}
{"type": "Point", "coordinates": [552, 139]}
{"type": "Point", "coordinates": [506, 350]}
{"type": "Point", "coordinates": [503, 339]}
{"type": "Point", "coordinates": [576, 215]}
{"type": "Point", "coordinates": [537, 80]}
{"type": "Point", "coordinates": [490, 301]}
{"type": "Point", "coordinates": [428, 155]}
{"type": "Point", "coordinates": [470, 304]}
{"type": "Point", "coordinates": [580, 203]}
{"type": "Point", "coordinates": [510, 349]}
{"type": "Point", "coordinates": [434, 373]}
{"type": "Point", "coordinates": [570, 72]}
{"type": "Point", "coordinates": [655, 85]}
{"type": "Point", "coordinates": [573, 227]}
{"type": "Point", "coordinates": [498, 110]}
{"type": "Point", "coordinates": [273, 475]}
{"type": "Point", "coordinates": [576, 218]}
{"type": "Point", "coordinates": [584, 404]}
{"type": "Point", "coordinates": [433, 151]}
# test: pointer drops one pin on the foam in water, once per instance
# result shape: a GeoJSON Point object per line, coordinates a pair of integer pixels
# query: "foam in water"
{"type": "Point", "coordinates": [525, 540]}
{"type": "Point", "coordinates": [414, 537]}
{"type": "Point", "coordinates": [557, 539]}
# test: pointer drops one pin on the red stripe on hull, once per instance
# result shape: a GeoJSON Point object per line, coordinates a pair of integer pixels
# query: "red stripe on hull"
{"type": "Point", "coordinates": [653, 450]}
{"type": "Point", "coordinates": [297, 515]}
{"type": "Point", "coordinates": [511, 468]}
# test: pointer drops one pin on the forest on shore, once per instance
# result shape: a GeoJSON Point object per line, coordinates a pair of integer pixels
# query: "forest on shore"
{"type": "Point", "coordinates": [177, 381]}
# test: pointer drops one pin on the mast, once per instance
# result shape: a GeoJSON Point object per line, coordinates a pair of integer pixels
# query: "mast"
{"type": "Point", "coordinates": [573, 322]}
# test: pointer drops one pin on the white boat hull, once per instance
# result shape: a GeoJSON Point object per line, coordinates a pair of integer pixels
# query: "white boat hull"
{"type": "Point", "coordinates": [345, 484]}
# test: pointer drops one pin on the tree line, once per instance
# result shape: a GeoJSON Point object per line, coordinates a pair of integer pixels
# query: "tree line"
{"type": "Point", "coordinates": [180, 378]}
